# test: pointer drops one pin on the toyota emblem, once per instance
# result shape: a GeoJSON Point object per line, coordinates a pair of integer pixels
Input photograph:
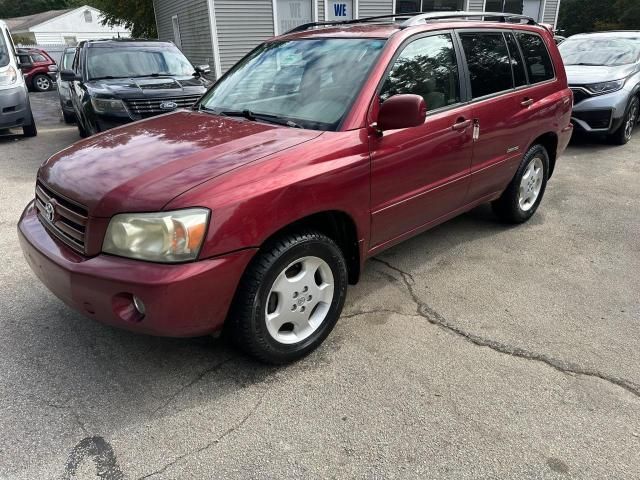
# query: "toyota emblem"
{"type": "Point", "coordinates": [49, 211]}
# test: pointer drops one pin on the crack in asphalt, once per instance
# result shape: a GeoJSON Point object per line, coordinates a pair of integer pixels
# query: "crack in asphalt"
{"type": "Point", "coordinates": [433, 317]}
{"type": "Point", "coordinates": [191, 383]}
{"type": "Point", "coordinates": [210, 444]}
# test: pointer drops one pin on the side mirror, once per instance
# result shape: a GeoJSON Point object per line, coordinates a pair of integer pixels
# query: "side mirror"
{"type": "Point", "coordinates": [402, 111]}
{"type": "Point", "coordinates": [68, 76]}
{"type": "Point", "coordinates": [202, 69]}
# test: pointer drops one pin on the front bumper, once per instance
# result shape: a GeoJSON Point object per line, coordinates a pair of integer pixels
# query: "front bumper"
{"type": "Point", "coordinates": [183, 300]}
{"type": "Point", "coordinates": [601, 113]}
{"type": "Point", "coordinates": [14, 107]}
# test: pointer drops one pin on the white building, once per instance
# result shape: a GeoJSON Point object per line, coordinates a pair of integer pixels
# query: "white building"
{"type": "Point", "coordinates": [64, 26]}
{"type": "Point", "coordinates": [220, 32]}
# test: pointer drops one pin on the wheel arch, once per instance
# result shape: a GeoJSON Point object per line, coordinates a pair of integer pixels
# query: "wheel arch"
{"type": "Point", "coordinates": [335, 224]}
{"type": "Point", "coordinates": [549, 141]}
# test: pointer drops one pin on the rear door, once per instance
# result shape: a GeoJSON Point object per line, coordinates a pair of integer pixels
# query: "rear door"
{"type": "Point", "coordinates": [421, 174]}
{"type": "Point", "coordinates": [498, 89]}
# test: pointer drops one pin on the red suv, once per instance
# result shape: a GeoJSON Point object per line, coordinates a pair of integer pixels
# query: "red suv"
{"type": "Point", "coordinates": [319, 149]}
{"type": "Point", "coordinates": [38, 68]}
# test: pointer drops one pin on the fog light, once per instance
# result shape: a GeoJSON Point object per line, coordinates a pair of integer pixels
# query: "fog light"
{"type": "Point", "coordinates": [139, 305]}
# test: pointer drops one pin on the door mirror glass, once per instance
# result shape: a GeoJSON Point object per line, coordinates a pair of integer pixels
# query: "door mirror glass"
{"type": "Point", "coordinates": [67, 75]}
{"type": "Point", "coordinates": [402, 111]}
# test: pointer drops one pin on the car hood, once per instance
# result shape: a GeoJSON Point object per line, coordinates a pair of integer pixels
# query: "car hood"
{"type": "Point", "coordinates": [146, 86]}
{"type": "Point", "coordinates": [586, 74]}
{"type": "Point", "coordinates": [143, 165]}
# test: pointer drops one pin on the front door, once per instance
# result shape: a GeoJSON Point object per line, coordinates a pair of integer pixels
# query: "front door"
{"type": "Point", "coordinates": [421, 174]}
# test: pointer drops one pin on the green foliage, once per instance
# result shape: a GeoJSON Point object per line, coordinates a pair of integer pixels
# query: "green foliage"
{"type": "Point", "coordinates": [580, 16]}
{"type": "Point", "coordinates": [137, 16]}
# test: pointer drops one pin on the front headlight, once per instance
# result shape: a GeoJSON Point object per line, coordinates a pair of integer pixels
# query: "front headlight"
{"type": "Point", "coordinates": [108, 105]}
{"type": "Point", "coordinates": [8, 77]}
{"type": "Point", "coordinates": [606, 87]}
{"type": "Point", "coordinates": [167, 237]}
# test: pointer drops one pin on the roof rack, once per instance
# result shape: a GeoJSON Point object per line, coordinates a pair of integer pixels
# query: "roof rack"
{"type": "Point", "coordinates": [417, 18]}
{"type": "Point", "coordinates": [503, 17]}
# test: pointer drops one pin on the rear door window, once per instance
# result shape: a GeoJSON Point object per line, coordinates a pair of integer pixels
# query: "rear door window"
{"type": "Point", "coordinates": [427, 67]}
{"type": "Point", "coordinates": [488, 62]}
{"type": "Point", "coordinates": [536, 57]}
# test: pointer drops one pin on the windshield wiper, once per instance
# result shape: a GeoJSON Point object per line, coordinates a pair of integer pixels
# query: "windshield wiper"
{"type": "Point", "coordinates": [586, 64]}
{"type": "Point", "coordinates": [265, 117]}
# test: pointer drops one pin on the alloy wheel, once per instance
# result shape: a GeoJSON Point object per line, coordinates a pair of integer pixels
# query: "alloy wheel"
{"type": "Point", "coordinates": [531, 184]}
{"type": "Point", "coordinates": [299, 300]}
{"type": "Point", "coordinates": [632, 118]}
{"type": "Point", "coordinates": [43, 83]}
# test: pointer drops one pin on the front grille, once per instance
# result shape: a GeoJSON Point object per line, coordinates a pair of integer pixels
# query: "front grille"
{"type": "Point", "coordinates": [147, 107]}
{"type": "Point", "coordinates": [69, 218]}
{"type": "Point", "coordinates": [596, 119]}
{"type": "Point", "coordinates": [579, 94]}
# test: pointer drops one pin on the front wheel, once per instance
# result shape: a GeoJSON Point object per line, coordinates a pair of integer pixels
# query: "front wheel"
{"type": "Point", "coordinates": [623, 134]}
{"type": "Point", "coordinates": [521, 199]}
{"type": "Point", "coordinates": [290, 298]}
{"type": "Point", "coordinates": [42, 83]}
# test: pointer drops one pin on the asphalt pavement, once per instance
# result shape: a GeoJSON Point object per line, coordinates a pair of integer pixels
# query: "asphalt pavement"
{"type": "Point", "coordinates": [475, 350]}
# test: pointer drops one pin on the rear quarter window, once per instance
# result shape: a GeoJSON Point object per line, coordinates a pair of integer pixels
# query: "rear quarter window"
{"type": "Point", "coordinates": [536, 57]}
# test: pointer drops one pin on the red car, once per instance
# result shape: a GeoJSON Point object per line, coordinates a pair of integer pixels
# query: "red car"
{"type": "Point", "coordinates": [321, 148]}
{"type": "Point", "coordinates": [38, 68]}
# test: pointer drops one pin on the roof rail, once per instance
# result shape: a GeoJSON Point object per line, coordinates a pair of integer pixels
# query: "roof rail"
{"type": "Point", "coordinates": [504, 17]}
{"type": "Point", "coordinates": [307, 26]}
{"type": "Point", "coordinates": [417, 18]}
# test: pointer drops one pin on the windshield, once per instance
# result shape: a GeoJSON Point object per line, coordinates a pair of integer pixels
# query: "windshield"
{"type": "Point", "coordinates": [308, 83]}
{"type": "Point", "coordinates": [604, 51]}
{"type": "Point", "coordinates": [4, 51]}
{"type": "Point", "coordinates": [67, 59]}
{"type": "Point", "coordinates": [124, 62]}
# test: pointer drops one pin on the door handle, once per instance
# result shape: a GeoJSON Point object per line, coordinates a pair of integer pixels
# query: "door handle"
{"type": "Point", "coordinates": [461, 124]}
{"type": "Point", "coordinates": [527, 102]}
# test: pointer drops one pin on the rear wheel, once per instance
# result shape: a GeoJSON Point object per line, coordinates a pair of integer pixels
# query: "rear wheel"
{"type": "Point", "coordinates": [623, 134]}
{"type": "Point", "coordinates": [68, 117]}
{"type": "Point", "coordinates": [521, 199]}
{"type": "Point", "coordinates": [42, 83]}
{"type": "Point", "coordinates": [290, 298]}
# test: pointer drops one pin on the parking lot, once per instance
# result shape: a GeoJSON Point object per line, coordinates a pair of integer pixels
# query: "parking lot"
{"type": "Point", "coordinates": [475, 350]}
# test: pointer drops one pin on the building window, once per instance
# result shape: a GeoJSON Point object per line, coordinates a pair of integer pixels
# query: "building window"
{"type": "Point", "coordinates": [531, 8]}
{"type": "Point", "coordinates": [87, 16]}
{"type": "Point", "coordinates": [70, 40]}
{"type": "Point", "coordinates": [176, 31]}
{"type": "Point", "coordinates": [292, 13]}
{"type": "Point", "coordinates": [409, 6]}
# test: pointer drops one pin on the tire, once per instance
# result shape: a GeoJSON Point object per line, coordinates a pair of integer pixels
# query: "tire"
{"type": "Point", "coordinates": [30, 130]}
{"type": "Point", "coordinates": [289, 299]}
{"type": "Point", "coordinates": [81, 131]}
{"type": "Point", "coordinates": [623, 134]}
{"type": "Point", "coordinates": [68, 118]}
{"type": "Point", "coordinates": [41, 83]}
{"type": "Point", "coordinates": [521, 199]}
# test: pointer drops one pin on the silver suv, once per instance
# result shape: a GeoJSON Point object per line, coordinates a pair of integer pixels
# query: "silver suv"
{"type": "Point", "coordinates": [603, 70]}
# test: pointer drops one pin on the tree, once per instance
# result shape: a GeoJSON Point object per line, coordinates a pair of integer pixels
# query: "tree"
{"type": "Point", "coordinates": [137, 16]}
{"type": "Point", "coordinates": [580, 16]}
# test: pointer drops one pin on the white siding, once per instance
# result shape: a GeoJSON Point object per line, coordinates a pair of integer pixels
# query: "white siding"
{"type": "Point", "coordinates": [193, 20]}
{"type": "Point", "coordinates": [242, 27]}
{"type": "Point", "coordinates": [550, 10]}
{"type": "Point", "coordinates": [476, 5]}
{"type": "Point", "coordinates": [321, 17]}
{"type": "Point", "coordinates": [372, 8]}
{"type": "Point", "coordinates": [74, 24]}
